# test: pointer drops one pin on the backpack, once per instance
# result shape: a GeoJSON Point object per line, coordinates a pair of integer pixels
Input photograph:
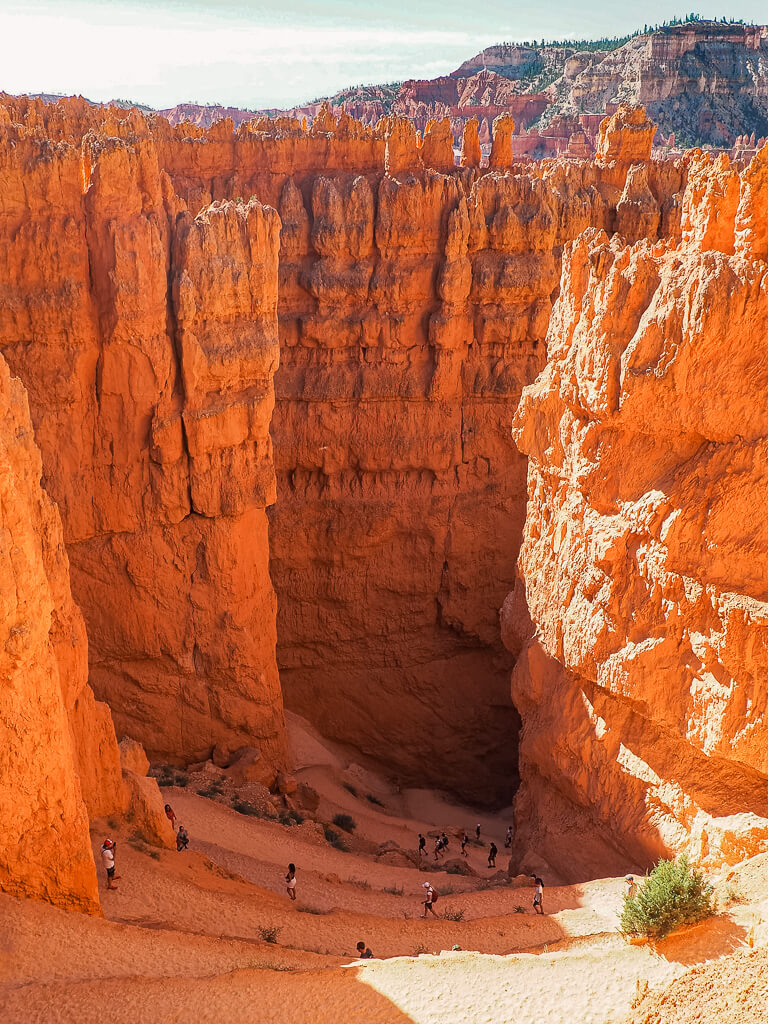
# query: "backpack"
{"type": "Point", "coordinates": [434, 896]}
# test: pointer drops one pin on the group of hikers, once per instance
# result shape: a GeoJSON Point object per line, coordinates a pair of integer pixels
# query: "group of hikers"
{"type": "Point", "coordinates": [107, 850]}
{"type": "Point", "coordinates": [441, 845]}
{"type": "Point", "coordinates": [430, 893]}
{"type": "Point", "coordinates": [182, 836]}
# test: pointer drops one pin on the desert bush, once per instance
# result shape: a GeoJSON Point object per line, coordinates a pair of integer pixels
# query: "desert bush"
{"type": "Point", "coordinates": [454, 915]}
{"type": "Point", "coordinates": [269, 933]}
{"type": "Point", "coordinates": [291, 818]}
{"type": "Point", "coordinates": [453, 869]}
{"type": "Point", "coordinates": [345, 822]}
{"type": "Point", "coordinates": [361, 883]}
{"type": "Point", "coordinates": [672, 895]}
{"type": "Point", "coordinates": [211, 791]}
{"type": "Point", "coordinates": [421, 948]}
{"type": "Point", "coordinates": [243, 807]}
{"type": "Point", "coordinates": [519, 909]}
{"type": "Point", "coordinates": [181, 779]}
{"type": "Point", "coordinates": [373, 799]}
{"type": "Point", "coordinates": [349, 788]}
{"type": "Point", "coordinates": [333, 837]}
{"type": "Point", "coordinates": [312, 910]}
{"type": "Point", "coordinates": [394, 890]}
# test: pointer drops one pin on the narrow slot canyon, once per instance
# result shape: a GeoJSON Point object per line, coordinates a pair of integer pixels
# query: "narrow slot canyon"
{"type": "Point", "coordinates": [408, 449]}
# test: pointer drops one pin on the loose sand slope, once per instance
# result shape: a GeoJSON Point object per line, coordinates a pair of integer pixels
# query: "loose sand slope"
{"type": "Point", "coordinates": [182, 937]}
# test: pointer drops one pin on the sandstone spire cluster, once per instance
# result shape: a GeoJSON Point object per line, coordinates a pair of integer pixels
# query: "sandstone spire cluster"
{"type": "Point", "coordinates": [336, 324]}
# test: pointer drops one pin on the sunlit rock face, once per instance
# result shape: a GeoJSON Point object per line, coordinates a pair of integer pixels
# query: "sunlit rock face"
{"type": "Point", "coordinates": [407, 303]}
{"type": "Point", "coordinates": [147, 340]}
{"type": "Point", "coordinates": [642, 687]}
{"type": "Point", "coordinates": [50, 724]}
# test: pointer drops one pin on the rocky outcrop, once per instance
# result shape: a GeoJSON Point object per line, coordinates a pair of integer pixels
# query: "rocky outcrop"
{"type": "Point", "coordinates": [147, 339]}
{"type": "Point", "coordinates": [642, 684]}
{"type": "Point", "coordinates": [50, 726]}
{"type": "Point", "coordinates": [412, 302]}
{"type": "Point", "coordinates": [701, 82]}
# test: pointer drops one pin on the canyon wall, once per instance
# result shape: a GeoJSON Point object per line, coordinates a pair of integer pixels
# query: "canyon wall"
{"type": "Point", "coordinates": [50, 725]}
{"type": "Point", "coordinates": [147, 340]}
{"type": "Point", "coordinates": [413, 300]}
{"type": "Point", "coordinates": [642, 685]}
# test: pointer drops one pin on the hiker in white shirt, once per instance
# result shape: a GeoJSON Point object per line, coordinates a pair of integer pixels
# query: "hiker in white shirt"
{"type": "Point", "coordinates": [108, 860]}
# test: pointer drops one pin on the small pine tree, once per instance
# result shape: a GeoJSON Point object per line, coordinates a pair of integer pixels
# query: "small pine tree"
{"type": "Point", "coordinates": [672, 895]}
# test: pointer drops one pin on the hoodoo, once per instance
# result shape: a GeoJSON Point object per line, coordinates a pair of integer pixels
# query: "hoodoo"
{"type": "Point", "coordinates": [346, 348]}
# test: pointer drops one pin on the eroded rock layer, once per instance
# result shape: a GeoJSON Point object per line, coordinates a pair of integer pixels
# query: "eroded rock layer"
{"type": "Point", "coordinates": [413, 300]}
{"type": "Point", "coordinates": [147, 339]}
{"type": "Point", "coordinates": [643, 694]}
{"type": "Point", "coordinates": [50, 724]}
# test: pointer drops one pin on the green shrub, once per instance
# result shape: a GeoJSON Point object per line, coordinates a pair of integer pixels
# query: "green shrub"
{"type": "Point", "coordinates": [345, 822]}
{"type": "Point", "coordinates": [672, 895]}
{"type": "Point", "coordinates": [269, 933]}
{"type": "Point", "coordinates": [243, 807]}
{"type": "Point", "coordinates": [454, 915]}
{"type": "Point", "coordinates": [291, 818]}
{"type": "Point", "coordinates": [211, 792]}
{"type": "Point", "coordinates": [333, 837]}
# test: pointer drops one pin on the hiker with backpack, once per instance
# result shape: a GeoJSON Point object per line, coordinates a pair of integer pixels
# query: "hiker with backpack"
{"type": "Point", "coordinates": [464, 841]}
{"type": "Point", "coordinates": [492, 851]}
{"type": "Point", "coordinates": [508, 838]}
{"type": "Point", "coordinates": [430, 898]}
{"type": "Point", "coordinates": [422, 845]}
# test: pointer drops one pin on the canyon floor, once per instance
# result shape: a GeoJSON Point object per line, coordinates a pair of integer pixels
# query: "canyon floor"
{"type": "Point", "coordinates": [182, 937]}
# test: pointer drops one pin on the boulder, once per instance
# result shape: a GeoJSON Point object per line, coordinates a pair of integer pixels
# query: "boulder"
{"type": "Point", "coordinates": [460, 866]}
{"type": "Point", "coordinates": [307, 798]}
{"type": "Point", "coordinates": [250, 766]}
{"type": "Point", "coordinates": [285, 784]}
{"type": "Point", "coordinates": [132, 756]}
{"type": "Point", "coordinates": [146, 810]}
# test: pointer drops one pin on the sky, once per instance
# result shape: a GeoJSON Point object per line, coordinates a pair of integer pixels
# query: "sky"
{"type": "Point", "coordinates": [255, 55]}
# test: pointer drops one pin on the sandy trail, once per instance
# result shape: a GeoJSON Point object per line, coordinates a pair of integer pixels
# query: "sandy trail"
{"type": "Point", "coordinates": [182, 937]}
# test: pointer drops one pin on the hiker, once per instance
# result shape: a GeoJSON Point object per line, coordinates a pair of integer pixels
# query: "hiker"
{"type": "Point", "coordinates": [492, 851]}
{"type": "Point", "coordinates": [444, 840]}
{"type": "Point", "coordinates": [182, 839]}
{"type": "Point", "coordinates": [538, 897]}
{"type": "Point", "coordinates": [169, 813]}
{"type": "Point", "coordinates": [508, 837]}
{"type": "Point", "coordinates": [477, 832]}
{"type": "Point", "coordinates": [108, 860]}
{"type": "Point", "coordinates": [631, 887]}
{"type": "Point", "coordinates": [464, 841]}
{"type": "Point", "coordinates": [422, 845]}
{"type": "Point", "coordinates": [363, 952]}
{"type": "Point", "coordinates": [290, 882]}
{"type": "Point", "coordinates": [430, 897]}
{"type": "Point", "coordinates": [438, 847]}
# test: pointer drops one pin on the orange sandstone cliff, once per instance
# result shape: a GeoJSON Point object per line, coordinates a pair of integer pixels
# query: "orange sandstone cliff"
{"type": "Point", "coordinates": [642, 686]}
{"type": "Point", "coordinates": [49, 723]}
{"type": "Point", "coordinates": [412, 303]}
{"type": "Point", "coordinates": [147, 339]}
